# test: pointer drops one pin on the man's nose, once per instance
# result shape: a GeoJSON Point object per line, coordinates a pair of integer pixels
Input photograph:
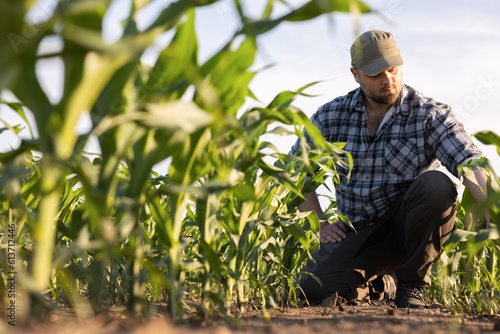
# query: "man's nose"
{"type": "Point", "coordinates": [387, 77]}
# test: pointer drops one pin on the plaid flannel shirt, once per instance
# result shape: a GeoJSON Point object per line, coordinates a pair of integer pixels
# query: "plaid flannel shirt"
{"type": "Point", "coordinates": [419, 134]}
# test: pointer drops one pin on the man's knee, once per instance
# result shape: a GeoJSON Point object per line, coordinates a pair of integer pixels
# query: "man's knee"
{"type": "Point", "coordinates": [433, 187]}
{"type": "Point", "coordinates": [430, 205]}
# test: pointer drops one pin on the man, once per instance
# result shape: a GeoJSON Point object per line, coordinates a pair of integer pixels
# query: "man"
{"type": "Point", "coordinates": [402, 209]}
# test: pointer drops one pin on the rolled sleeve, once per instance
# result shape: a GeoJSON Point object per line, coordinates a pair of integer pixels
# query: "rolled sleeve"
{"type": "Point", "coordinates": [450, 142]}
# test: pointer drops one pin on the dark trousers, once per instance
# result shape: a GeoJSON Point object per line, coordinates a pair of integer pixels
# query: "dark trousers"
{"type": "Point", "coordinates": [404, 241]}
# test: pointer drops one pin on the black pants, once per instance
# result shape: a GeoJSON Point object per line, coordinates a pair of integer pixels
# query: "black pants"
{"type": "Point", "coordinates": [405, 241]}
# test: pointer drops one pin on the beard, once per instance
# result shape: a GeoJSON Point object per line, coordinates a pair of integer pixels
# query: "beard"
{"type": "Point", "coordinates": [387, 97]}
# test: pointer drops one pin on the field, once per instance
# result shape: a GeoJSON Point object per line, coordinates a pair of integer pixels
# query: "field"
{"type": "Point", "coordinates": [370, 318]}
{"type": "Point", "coordinates": [91, 235]}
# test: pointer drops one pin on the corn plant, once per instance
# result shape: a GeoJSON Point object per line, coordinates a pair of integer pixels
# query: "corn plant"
{"type": "Point", "coordinates": [94, 224]}
{"type": "Point", "coordinates": [467, 276]}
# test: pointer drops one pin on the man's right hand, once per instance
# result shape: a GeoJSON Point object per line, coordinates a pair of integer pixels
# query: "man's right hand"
{"type": "Point", "coordinates": [332, 233]}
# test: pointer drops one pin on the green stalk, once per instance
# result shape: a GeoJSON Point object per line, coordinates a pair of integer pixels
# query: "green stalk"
{"type": "Point", "coordinates": [97, 286]}
{"type": "Point", "coordinates": [230, 283]}
{"type": "Point", "coordinates": [44, 230]}
{"type": "Point", "coordinates": [135, 291]}
{"type": "Point", "coordinates": [173, 294]}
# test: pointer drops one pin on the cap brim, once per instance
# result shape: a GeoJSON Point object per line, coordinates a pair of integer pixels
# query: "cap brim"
{"type": "Point", "coordinates": [382, 64]}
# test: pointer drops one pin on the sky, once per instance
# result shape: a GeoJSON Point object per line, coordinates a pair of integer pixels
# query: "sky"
{"type": "Point", "coordinates": [450, 49]}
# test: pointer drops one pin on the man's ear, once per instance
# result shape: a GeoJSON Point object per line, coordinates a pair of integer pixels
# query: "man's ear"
{"type": "Point", "coordinates": [355, 74]}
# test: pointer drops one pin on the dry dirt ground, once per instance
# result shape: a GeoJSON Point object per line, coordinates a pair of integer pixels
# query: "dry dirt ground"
{"type": "Point", "coordinates": [365, 317]}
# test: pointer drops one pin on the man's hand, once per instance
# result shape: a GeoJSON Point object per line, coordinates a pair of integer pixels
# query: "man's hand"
{"type": "Point", "coordinates": [332, 233]}
{"type": "Point", "coordinates": [328, 233]}
{"type": "Point", "coordinates": [477, 184]}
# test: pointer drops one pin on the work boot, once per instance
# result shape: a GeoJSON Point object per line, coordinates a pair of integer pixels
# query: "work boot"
{"type": "Point", "coordinates": [409, 296]}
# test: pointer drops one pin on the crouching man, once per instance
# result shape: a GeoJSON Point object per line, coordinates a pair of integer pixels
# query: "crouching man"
{"type": "Point", "coordinates": [402, 208]}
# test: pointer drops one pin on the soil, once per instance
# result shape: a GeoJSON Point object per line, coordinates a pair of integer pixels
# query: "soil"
{"type": "Point", "coordinates": [360, 317]}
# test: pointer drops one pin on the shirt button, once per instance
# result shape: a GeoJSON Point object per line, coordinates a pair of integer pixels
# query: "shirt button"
{"type": "Point", "coordinates": [367, 178]}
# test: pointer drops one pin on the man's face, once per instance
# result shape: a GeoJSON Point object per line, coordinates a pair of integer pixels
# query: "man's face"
{"type": "Point", "coordinates": [381, 88]}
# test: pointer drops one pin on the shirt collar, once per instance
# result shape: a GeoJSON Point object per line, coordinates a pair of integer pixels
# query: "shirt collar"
{"type": "Point", "coordinates": [399, 106]}
{"type": "Point", "coordinates": [403, 108]}
{"type": "Point", "coordinates": [357, 101]}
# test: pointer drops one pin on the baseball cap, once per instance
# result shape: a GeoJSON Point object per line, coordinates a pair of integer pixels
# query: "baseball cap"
{"type": "Point", "coordinates": [375, 51]}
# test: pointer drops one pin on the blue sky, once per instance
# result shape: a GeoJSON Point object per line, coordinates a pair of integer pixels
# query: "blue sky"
{"type": "Point", "coordinates": [450, 48]}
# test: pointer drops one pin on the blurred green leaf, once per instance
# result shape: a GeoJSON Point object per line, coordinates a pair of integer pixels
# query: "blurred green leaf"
{"type": "Point", "coordinates": [169, 116]}
{"type": "Point", "coordinates": [176, 67]}
{"type": "Point", "coordinates": [489, 138]}
{"type": "Point", "coordinates": [315, 8]}
{"type": "Point", "coordinates": [308, 11]}
{"type": "Point", "coordinates": [228, 75]}
{"type": "Point", "coordinates": [171, 15]}
{"type": "Point", "coordinates": [18, 108]}
{"type": "Point", "coordinates": [16, 128]}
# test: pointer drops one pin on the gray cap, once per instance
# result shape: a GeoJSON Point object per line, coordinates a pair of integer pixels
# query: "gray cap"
{"type": "Point", "coordinates": [375, 51]}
